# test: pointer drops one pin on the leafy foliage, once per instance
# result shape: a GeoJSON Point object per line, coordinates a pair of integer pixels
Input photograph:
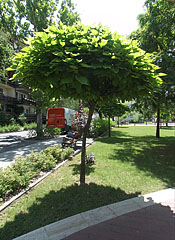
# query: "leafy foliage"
{"type": "Point", "coordinates": [88, 63]}
{"type": "Point", "coordinates": [67, 14]}
{"type": "Point", "coordinates": [70, 58]}
{"type": "Point", "coordinates": [6, 52]}
{"type": "Point", "coordinates": [156, 35]}
{"type": "Point", "coordinates": [20, 174]}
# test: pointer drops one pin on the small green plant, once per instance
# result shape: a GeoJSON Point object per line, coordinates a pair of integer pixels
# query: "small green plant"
{"type": "Point", "coordinates": [10, 128]}
{"type": "Point", "coordinates": [29, 126]}
{"type": "Point", "coordinates": [99, 126]}
{"type": "Point", "coordinates": [22, 119]}
{"type": "Point", "coordinates": [23, 170]}
{"type": "Point", "coordinates": [67, 153]}
{"type": "Point", "coordinates": [51, 132]}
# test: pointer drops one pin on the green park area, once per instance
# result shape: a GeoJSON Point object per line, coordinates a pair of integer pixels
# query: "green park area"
{"type": "Point", "coordinates": [48, 56]}
{"type": "Point", "coordinates": [130, 163]}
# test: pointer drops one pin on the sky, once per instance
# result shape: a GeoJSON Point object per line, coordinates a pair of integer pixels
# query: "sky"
{"type": "Point", "coordinates": [119, 15]}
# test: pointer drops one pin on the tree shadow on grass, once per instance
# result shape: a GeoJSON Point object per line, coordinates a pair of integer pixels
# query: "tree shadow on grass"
{"type": "Point", "coordinates": [154, 156]}
{"type": "Point", "coordinates": [61, 204]}
{"type": "Point", "coordinates": [76, 169]}
{"type": "Point", "coordinates": [167, 128]}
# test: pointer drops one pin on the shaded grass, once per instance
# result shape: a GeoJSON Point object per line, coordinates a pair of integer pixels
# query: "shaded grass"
{"type": "Point", "coordinates": [130, 163]}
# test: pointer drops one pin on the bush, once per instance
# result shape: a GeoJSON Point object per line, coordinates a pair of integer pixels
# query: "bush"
{"type": "Point", "coordinates": [21, 119]}
{"type": "Point", "coordinates": [20, 174]}
{"type": "Point", "coordinates": [51, 132]}
{"type": "Point", "coordinates": [55, 151]}
{"type": "Point", "coordinates": [10, 128]}
{"type": "Point", "coordinates": [6, 118]}
{"type": "Point", "coordinates": [99, 126]}
{"type": "Point", "coordinates": [29, 126]}
{"type": "Point", "coordinates": [67, 153]}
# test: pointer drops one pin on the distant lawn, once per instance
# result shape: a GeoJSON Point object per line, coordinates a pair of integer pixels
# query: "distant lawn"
{"type": "Point", "coordinates": [130, 163]}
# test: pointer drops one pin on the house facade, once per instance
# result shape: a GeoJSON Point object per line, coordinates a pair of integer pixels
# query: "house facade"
{"type": "Point", "coordinates": [14, 95]}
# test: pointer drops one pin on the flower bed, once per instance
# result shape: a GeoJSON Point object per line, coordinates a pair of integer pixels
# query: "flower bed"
{"type": "Point", "coordinates": [20, 174]}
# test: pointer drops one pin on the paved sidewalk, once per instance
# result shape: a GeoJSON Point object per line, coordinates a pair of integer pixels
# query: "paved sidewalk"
{"type": "Point", "coordinates": [24, 148]}
{"type": "Point", "coordinates": [149, 217]}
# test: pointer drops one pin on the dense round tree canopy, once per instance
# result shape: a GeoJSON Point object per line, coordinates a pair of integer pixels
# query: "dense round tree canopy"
{"type": "Point", "coordinates": [85, 62]}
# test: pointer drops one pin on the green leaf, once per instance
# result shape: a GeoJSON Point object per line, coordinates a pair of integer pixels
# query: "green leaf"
{"type": "Point", "coordinates": [82, 80]}
{"type": "Point", "coordinates": [67, 79]}
{"type": "Point", "coordinates": [103, 43]}
{"type": "Point", "coordinates": [59, 54]}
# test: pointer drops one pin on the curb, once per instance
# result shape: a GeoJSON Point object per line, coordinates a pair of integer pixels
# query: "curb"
{"type": "Point", "coordinates": [65, 227]}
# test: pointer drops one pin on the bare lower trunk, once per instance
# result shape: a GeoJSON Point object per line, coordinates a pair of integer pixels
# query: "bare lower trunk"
{"type": "Point", "coordinates": [158, 124]}
{"type": "Point", "coordinates": [83, 153]}
{"type": "Point", "coordinates": [118, 122]}
{"type": "Point", "coordinates": [39, 124]}
{"type": "Point", "coordinates": [109, 127]}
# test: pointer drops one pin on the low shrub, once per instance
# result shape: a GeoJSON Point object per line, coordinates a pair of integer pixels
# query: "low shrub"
{"type": "Point", "coordinates": [6, 118]}
{"type": "Point", "coordinates": [29, 126]}
{"type": "Point", "coordinates": [51, 132]}
{"type": "Point", "coordinates": [67, 153]}
{"type": "Point", "coordinates": [99, 126]}
{"type": "Point", "coordinates": [10, 128]}
{"type": "Point", "coordinates": [55, 151]}
{"type": "Point", "coordinates": [21, 119]}
{"type": "Point", "coordinates": [21, 172]}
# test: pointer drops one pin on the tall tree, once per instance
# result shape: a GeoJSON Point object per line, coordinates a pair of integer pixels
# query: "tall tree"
{"type": "Point", "coordinates": [24, 17]}
{"type": "Point", "coordinates": [6, 51]}
{"type": "Point", "coordinates": [88, 63]}
{"type": "Point", "coordinates": [67, 13]}
{"type": "Point", "coordinates": [111, 108]}
{"type": "Point", "coordinates": [156, 34]}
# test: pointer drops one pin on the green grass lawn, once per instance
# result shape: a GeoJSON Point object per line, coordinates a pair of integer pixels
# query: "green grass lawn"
{"type": "Point", "coordinates": [130, 163]}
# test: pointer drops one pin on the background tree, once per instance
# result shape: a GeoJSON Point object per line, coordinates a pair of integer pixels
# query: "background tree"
{"type": "Point", "coordinates": [42, 102]}
{"type": "Point", "coordinates": [6, 52]}
{"type": "Point", "coordinates": [24, 17]}
{"type": "Point", "coordinates": [156, 34]}
{"type": "Point", "coordinates": [68, 103]}
{"type": "Point", "coordinates": [67, 13]}
{"type": "Point", "coordinates": [88, 63]}
{"type": "Point", "coordinates": [21, 18]}
{"type": "Point", "coordinates": [111, 109]}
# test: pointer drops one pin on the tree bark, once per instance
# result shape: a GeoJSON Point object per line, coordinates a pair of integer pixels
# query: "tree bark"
{"type": "Point", "coordinates": [118, 122]}
{"type": "Point", "coordinates": [158, 124]}
{"type": "Point", "coordinates": [39, 124]}
{"type": "Point", "coordinates": [109, 127]}
{"type": "Point", "coordinates": [83, 153]}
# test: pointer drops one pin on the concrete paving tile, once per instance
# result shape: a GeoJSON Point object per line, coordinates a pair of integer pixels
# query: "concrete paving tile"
{"type": "Point", "coordinates": [124, 207]}
{"type": "Point", "coordinates": [65, 227]}
{"type": "Point", "coordinates": [39, 234]}
{"type": "Point", "coordinates": [143, 202]}
{"type": "Point", "coordinates": [98, 215]}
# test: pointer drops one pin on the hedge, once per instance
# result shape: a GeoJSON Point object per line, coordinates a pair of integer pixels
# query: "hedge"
{"type": "Point", "coordinates": [23, 170]}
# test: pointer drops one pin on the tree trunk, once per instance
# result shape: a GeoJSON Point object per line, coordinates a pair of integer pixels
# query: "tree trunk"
{"type": "Point", "coordinates": [109, 126]}
{"type": "Point", "coordinates": [83, 153]}
{"type": "Point", "coordinates": [118, 122]}
{"type": "Point", "coordinates": [39, 124]}
{"type": "Point", "coordinates": [158, 124]}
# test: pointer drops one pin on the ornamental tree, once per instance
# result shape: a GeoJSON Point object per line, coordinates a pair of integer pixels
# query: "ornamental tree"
{"type": "Point", "coordinates": [111, 108]}
{"type": "Point", "coordinates": [88, 63]}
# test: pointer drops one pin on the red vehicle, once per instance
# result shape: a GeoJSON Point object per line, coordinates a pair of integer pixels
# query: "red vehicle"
{"type": "Point", "coordinates": [60, 118]}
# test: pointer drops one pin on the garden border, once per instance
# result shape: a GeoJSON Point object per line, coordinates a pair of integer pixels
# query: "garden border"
{"type": "Point", "coordinates": [7, 203]}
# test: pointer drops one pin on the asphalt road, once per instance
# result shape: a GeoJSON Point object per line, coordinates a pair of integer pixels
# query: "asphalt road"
{"type": "Point", "coordinates": [13, 145]}
{"type": "Point", "coordinates": [10, 140]}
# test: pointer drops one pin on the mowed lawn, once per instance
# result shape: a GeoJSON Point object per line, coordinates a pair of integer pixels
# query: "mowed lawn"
{"type": "Point", "coordinates": [130, 163]}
